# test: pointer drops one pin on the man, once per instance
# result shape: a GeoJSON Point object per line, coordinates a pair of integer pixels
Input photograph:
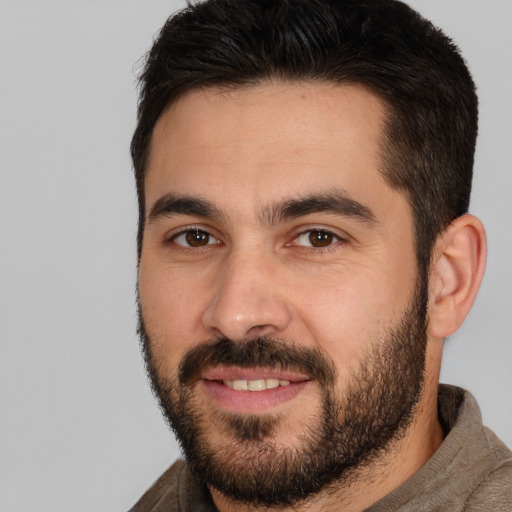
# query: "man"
{"type": "Point", "coordinates": [304, 170]}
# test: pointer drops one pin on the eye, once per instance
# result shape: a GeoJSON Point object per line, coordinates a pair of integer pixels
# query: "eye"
{"type": "Point", "coordinates": [316, 238]}
{"type": "Point", "coordinates": [194, 238]}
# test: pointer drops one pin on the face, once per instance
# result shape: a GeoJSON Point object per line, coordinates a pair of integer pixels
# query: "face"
{"type": "Point", "coordinates": [282, 312]}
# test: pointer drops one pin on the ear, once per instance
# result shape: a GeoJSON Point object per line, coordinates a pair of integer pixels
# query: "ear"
{"type": "Point", "coordinates": [457, 268]}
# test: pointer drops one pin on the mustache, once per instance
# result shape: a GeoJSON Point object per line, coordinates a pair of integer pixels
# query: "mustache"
{"type": "Point", "coordinates": [259, 352]}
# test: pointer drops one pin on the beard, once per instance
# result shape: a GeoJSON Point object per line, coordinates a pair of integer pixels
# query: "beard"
{"type": "Point", "coordinates": [348, 433]}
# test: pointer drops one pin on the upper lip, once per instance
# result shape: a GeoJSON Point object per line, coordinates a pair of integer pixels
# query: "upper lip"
{"type": "Point", "coordinates": [221, 373]}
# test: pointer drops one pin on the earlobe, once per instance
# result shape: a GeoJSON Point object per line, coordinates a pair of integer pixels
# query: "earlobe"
{"type": "Point", "coordinates": [458, 264]}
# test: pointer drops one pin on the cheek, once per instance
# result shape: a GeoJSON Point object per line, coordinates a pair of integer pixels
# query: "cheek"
{"type": "Point", "coordinates": [348, 319]}
{"type": "Point", "coordinates": [338, 321]}
{"type": "Point", "coordinates": [171, 309]}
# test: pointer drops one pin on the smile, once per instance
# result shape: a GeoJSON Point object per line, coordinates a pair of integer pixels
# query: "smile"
{"type": "Point", "coordinates": [255, 385]}
{"type": "Point", "coordinates": [252, 390]}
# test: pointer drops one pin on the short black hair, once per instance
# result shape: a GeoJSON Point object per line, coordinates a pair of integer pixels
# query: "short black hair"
{"type": "Point", "coordinates": [432, 108]}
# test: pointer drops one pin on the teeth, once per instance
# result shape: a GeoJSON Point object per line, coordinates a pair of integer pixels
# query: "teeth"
{"type": "Point", "coordinates": [272, 383]}
{"type": "Point", "coordinates": [255, 385]}
{"type": "Point", "coordinates": [240, 385]}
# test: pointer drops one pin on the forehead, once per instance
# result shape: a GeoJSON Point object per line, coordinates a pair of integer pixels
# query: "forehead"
{"type": "Point", "coordinates": [263, 141]}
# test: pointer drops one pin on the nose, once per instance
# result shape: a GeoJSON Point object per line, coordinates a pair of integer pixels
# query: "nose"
{"type": "Point", "coordinates": [247, 301]}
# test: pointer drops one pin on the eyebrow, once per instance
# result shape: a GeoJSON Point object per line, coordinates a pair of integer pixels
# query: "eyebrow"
{"type": "Point", "coordinates": [171, 204]}
{"type": "Point", "coordinates": [338, 203]}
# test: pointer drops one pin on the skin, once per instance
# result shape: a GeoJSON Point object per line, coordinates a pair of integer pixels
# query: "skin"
{"type": "Point", "coordinates": [246, 152]}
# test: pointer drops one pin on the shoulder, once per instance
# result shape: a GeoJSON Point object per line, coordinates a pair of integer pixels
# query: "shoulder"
{"type": "Point", "coordinates": [170, 493]}
{"type": "Point", "coordinates": [484, 461]}
{"type": "Point", "coordinates": [175, 491]}
{"type": "Point", "coordinates": [495, 490]}
{"type": "Point", "coordinates": [470, 472]}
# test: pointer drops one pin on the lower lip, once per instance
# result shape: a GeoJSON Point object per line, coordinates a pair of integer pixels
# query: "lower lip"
{"type": "Point", "coordinates": [252, 401]}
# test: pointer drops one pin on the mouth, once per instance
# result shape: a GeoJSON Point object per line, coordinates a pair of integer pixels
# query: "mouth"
{"type": "Point", "coordinates": [255, 385]}
{"type": "Point", "coordinates": [252, 390]}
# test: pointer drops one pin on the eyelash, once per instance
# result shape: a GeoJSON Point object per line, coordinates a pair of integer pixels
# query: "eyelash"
{"type": "Point", "coordinates": [190, 229]}
{"type": "Point", "coordinates": [319, 251]}
{"type": "Point", "coordinates": [338, 239]}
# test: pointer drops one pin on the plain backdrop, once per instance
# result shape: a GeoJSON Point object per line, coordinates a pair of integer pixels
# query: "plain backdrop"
{"type": "Point", "coordinates": [79, 428]}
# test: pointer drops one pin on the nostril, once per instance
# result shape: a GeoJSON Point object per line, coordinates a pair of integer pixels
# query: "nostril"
{"type": "Point", "coordinates": [260, 330]}
{"type": "Point", "coordinates": [259, 327]}
{"type": "Point", "coordinates": [217, 332]}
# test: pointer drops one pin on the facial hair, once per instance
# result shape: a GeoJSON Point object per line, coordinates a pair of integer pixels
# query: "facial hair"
{"type": "Point", "coordinates": [349, 433]}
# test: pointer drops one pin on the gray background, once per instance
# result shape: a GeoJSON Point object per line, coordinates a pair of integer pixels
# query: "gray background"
{"type": "Point", "coordinates": [79, 429]}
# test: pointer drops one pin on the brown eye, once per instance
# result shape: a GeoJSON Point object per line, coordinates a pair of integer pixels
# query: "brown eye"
{"type": "Point", "coordinates": [194, 238]}
{"type": "Point", "coordinates": [197, 238]}
{"type": "Point", "coordinates": [321, 238]}
{"type": "Point", "coordinates": [316, 238]}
